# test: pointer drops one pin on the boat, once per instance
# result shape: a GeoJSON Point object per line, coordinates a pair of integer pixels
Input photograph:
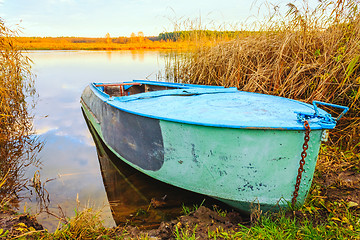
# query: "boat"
{"type": "Point", "coordinates": [248, 150]}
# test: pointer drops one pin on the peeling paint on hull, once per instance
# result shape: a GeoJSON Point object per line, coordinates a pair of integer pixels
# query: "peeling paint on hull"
{"type": "Point", "coordinates": [237, 166]}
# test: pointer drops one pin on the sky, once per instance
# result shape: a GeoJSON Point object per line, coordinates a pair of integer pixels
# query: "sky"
{"type": "Point", "coordinates": [95, 18]}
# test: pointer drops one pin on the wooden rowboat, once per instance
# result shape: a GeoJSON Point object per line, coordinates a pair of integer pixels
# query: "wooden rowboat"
{"type": "Point", "coordinates": [238, 147]}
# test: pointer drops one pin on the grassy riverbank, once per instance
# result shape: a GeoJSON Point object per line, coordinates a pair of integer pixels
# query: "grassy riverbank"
{"type": "Point", "coordinates": [318, 219]}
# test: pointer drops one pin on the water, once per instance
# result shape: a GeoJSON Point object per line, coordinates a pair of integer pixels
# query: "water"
{"type": "Point", "coordinates": [70, 162]}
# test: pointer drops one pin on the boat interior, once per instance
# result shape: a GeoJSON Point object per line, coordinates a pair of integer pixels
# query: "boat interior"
{"type": "Point", "coordinates": [127, 89]}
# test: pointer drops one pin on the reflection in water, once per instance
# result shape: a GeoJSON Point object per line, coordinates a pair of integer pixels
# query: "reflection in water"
{"type": "Point", "coordinates": [108, 55]}
{"type": "Point", "coordinates": [137, 198]}
{"type": "Point", "coordinates": [138, 54]}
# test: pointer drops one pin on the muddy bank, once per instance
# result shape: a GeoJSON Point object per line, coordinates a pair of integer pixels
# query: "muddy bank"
{"type": "Point", "coordinates": [13, 224]}
{"type": "Point", "coordinates": [203, 220]}
{"type": "Point", "coordinates": [340, 185]}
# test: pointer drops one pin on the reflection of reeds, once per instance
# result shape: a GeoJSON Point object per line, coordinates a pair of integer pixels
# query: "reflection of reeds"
{"type": "Point", "coordinates": [305, 55]}
{"type": "Point", "coordinates": [17, 146]}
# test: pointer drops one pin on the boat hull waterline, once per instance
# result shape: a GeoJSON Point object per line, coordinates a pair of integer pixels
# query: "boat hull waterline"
{"type": "Point", "coordinates": [240, 166]}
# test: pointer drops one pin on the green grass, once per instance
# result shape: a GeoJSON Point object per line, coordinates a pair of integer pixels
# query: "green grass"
{"type": "Point", "coordinates": [340, 224]}
{"type": "Point", "coordinates": [220, 212]}
{"type": "Point", "coordinates": [182, 233]}
{"type": "Point", "coordinates": [187, 210]}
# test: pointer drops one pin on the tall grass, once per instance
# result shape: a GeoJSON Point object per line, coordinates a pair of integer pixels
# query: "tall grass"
{"type": "Point", "coordinates": [17, 146]}
{"type": "Point", "coordinates": [305, 54]}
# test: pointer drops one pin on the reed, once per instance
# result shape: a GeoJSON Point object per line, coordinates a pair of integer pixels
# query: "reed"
{"type": "Point", "coordinates": [86, 224]}
{"type": "Point", "coordinates": [305, 55]}
{"type": "Point", "coordinates": [17, 145]}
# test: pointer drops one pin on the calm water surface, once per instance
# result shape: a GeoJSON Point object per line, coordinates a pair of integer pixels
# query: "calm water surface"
{"type": "Point", "coordinates": [69, 157]}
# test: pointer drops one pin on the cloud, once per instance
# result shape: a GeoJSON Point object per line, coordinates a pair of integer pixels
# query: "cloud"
{"type": "Point", "coordinates": [45, 129]}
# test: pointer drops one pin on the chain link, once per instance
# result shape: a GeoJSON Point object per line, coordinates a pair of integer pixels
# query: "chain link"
{"type": "Point", "coordinates": [302, 162]}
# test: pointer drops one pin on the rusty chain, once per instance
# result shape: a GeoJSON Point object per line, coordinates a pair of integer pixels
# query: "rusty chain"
{"type": "Point", "coordinates": [302, 162]}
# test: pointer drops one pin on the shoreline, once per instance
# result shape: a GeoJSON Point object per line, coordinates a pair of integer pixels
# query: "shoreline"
{"type": "Point", "coordinates": [203, 219]}
{"type": "Point", "coordinates": [35, 43]}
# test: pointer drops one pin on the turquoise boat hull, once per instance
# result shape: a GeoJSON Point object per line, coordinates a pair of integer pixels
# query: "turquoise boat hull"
{"type": "Point", "coordinates": [242, 167]}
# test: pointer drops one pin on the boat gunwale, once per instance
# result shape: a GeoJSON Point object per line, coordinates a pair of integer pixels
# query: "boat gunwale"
{"type": "Point", "coordinates": [110, 100]}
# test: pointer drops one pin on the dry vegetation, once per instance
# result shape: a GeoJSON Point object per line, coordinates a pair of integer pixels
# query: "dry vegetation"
{"type": "Point", "coordinates": [306, 55]}
{"type": "Point", "coordinates": [17, 147]}
{"type": "Point", "coordinates": [71, 43]}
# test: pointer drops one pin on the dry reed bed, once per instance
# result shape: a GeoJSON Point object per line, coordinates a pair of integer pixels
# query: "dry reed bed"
{"type": "Point", "coordinates": [17, 146]}
{"type": "Point", "coordinates": [305, 57]}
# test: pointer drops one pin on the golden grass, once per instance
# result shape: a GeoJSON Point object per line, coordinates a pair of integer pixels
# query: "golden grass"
{"type": "Point", "coordinates": [306, 55]}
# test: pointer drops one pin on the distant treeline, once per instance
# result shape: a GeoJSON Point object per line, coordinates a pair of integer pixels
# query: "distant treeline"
{"type": "Point", "coordinates": [167, 40]}
{"type": "Point", "coordinates": [121, 40]}
{"type": "Point", "coordinates": [85, 43]}
{"type": "Point", "coordinates": [196, 34]}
